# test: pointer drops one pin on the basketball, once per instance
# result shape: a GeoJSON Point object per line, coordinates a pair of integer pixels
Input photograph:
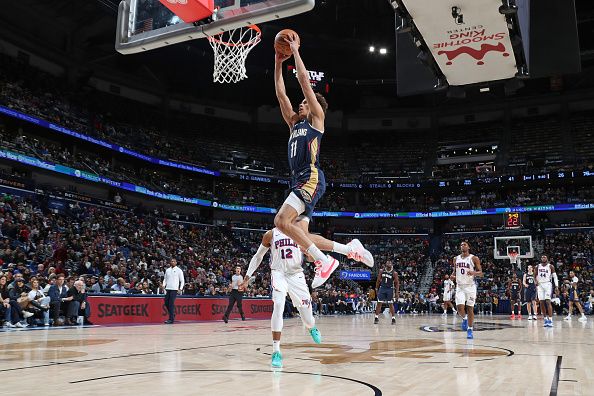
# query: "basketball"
{"type": "Point", "coordinates": [280, 45]}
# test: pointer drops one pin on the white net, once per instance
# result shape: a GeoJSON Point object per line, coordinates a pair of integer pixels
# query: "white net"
{"type": "Point", "coordinates": [513, 257]}
{"type": "Point", "coordinates": [231, 49]}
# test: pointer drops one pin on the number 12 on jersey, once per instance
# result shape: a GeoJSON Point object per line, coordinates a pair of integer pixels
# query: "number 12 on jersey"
{"type": "Point", "coordinates": [286, 254]}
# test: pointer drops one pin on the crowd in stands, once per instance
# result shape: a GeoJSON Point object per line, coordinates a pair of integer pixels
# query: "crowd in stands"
{"type": "Point", "coordinates": [244, 193]}
{"type": "Point", "coordinates": [86, 249]}
{"type": "Point", "coordinates": [189, 139]}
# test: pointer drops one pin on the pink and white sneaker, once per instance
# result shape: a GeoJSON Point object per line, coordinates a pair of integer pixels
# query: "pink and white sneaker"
{"type": "Point", "coordinates": [359, 253]}
{"type": "Point", "coordinates": [323, 272]}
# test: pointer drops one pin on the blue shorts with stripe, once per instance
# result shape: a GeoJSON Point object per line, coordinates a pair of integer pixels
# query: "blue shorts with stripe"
{"type": "Point", "coordinates": [309, 186]}
{"type": "Point", "coordinates": [530, 294]}
{"type": "Point", "coordinates": [385, 294]}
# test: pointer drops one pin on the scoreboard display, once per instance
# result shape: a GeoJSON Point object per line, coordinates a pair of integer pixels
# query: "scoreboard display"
{"type": "Point", "coordinates": [318, 79]}
{"type": "Point", "coordinates": [512, 221]}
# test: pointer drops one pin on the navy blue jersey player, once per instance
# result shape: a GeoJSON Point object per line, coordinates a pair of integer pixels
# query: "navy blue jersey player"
{"type": "Point", "coordinates": [306, 129]}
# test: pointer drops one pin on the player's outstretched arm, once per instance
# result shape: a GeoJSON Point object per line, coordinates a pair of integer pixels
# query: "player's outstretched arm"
{"type": "Point", "coordinates": [257, 259]}
{"type": "Point", "coordinates": [287, 111]}
{"type": "Point", "coordinates": [478, 272]}
{"type": "Point", "coordinates": [303, 77]}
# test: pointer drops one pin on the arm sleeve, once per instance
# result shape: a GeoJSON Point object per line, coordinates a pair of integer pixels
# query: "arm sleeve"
{"type": "Point", "coordinates": [555, 279]}
{"type": "Point", "coordinates": [256, 260]}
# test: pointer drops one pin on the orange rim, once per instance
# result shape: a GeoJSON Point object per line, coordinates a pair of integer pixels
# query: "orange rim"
{"type": "Point", "coordinates": [253, 41]}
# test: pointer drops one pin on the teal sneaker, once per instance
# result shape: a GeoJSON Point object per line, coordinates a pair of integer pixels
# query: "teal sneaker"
{"type": "Point", "coordinates": [315, 335]}
{"type": "Point", "coordinates": [277, 360]}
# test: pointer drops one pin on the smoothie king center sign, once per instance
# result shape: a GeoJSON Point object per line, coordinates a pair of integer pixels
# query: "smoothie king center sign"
{"type": "Point", "coordinates": [477, 50]}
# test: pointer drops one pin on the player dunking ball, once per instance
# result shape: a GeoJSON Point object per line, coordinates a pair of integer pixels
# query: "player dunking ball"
{"type": "Point", "coordinates": [467, 267]}
{"type": "Point", "coordinates": [574, 298]}
{"type": "Point", "coordinates": [514, 288]}
{"type": "Point", "coordinates": [448, 288]}
{"type": "Point", "coordinates": [530, 293]}
{"type": "Point", "coordinates": [544, 273]}
{"type": "Point", "coordinates": [387, 282]}
{"type": "Point", "coordinates": [306, 129]}
{"type": "Point", "coordinates": [286, 277]}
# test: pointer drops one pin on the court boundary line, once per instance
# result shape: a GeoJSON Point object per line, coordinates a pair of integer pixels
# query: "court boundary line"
{"type": "Point", "coordinates": [555, 384]}
{"type": "Point", "coordinates": [375, 389]}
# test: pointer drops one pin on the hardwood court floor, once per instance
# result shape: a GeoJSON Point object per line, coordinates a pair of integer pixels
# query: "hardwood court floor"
{"type": "Point", "coordinates": [421, 355]}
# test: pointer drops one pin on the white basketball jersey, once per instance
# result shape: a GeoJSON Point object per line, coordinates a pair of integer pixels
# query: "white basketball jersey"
{"type": "Point", "coordinates": [447, 286]}
{"type": "Point", "coordinates": [285, 255]}
{"type": "Point", "coordinates": [463, 265]}
{"type": "Point", "coordinates": [544, 273]}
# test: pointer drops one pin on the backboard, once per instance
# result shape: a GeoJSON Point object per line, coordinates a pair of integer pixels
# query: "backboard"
{"type": "Point", "coordinates": [147, 24]}
{"type": "Point", "coordinates": [519, 244]}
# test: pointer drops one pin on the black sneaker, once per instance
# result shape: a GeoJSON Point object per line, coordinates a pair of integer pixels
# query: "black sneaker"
{"type": "Point", "coordinates": [243, 318]}
{"type": "Point", "coordinates": [376, 321]}
{"type": "Point", "coordinates": [393, 321]}
{"type": "Point", "coordinates": [225, 319]}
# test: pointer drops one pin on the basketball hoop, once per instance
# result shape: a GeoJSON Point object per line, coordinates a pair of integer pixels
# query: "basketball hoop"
{"type": "Point", "coordinates": [231, 49]}
{"type": "Point", "coordinates": [513, 257]}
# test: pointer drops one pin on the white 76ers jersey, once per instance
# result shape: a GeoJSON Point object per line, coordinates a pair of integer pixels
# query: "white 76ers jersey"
{"type": "Point", "coordinates": [544, 273]}
{"type": "Point", "coordinates": [463, 265]}
{"type": "Point", "coordinates": [285, 255]}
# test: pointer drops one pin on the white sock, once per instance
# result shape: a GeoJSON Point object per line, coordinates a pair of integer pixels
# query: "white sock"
{"type": "Point", "coordinates": [376, 316]}
{"type": "Point", "coordinates": [340, 248]}
{"type": "Point", "coordinates": [394, 317]}
{"type": "Point", "coordinates": [466, 317]}
{"type": "Point", "coordinates": [275, 346]}
{"type": "Point", "coordinates": [317, 254]}
{"type": "Point", "coordinates": [470, 328]}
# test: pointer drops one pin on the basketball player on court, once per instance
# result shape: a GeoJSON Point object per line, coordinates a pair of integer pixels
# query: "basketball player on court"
{"type": "Point", "coordinates": [387, 281]}
{"type": "Point", "coordinates": [574, 298]}
{"type": "Point", "coordinates": [286, 277]}
{"type": "Point", "coordinates": [306, 129]}
{"type": "Point", "coordinates": [467, 267]}
{"type": "Point", "coordinates": [514, 288]}
{"type": "Point", "coordinates": [544, 273]}
{"type": "Point", "coordinates": [448, 288]}
{"type": "Point", "coordinates": [530, 292]}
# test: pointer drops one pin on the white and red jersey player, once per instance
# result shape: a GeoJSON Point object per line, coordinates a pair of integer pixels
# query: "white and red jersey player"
{"type": "Point", "coordinates": [545, 273]}
{"type": "Point", "coordinates": [467, 266]}
{"type": "Point", "coordinates": [286, 278]}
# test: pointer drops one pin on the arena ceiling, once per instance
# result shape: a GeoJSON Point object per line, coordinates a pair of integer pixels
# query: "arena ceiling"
{"type": "Point", "coordinates": [335, 39]}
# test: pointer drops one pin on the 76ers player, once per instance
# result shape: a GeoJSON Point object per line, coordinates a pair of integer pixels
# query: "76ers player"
{"type": "Point", "coordinates": [308, 184]}
{"type": "Point", "coordinates": [544, 273]}
{"type": "Point", "coordinates": [286, 277]}
{"type": "Point", "coordinates": [467, 266]}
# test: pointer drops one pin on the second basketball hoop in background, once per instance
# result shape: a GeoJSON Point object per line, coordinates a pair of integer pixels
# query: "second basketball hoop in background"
{"type": "Point", "coordinates": [281, 45]}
